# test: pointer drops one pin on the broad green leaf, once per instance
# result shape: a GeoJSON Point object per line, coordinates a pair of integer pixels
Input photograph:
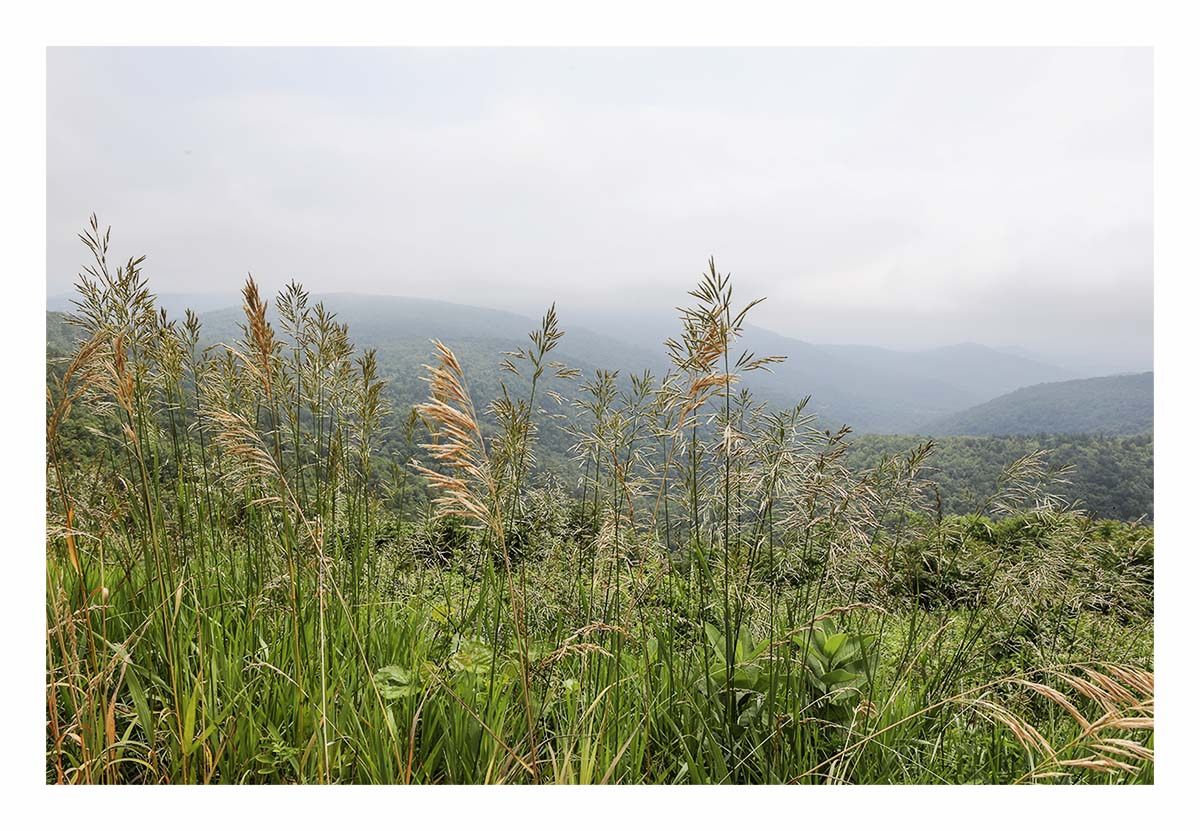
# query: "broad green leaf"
{"type": "Point", "coordinates": [838, 676]}
{"type": "Point", "coordinates": [761, 647]}
{"type": "Point", "coordinates": [818, 638]}
{"type": "Point", "coordinates": [744, 645]}
{"type": "Point", "coordinates": [395, 683]}
{"type": "Point", "coordinates": [473, 656]}
{"type": "Point", "coordinates": [833, 643]}
{"type": "Point", "coordinates": [715, 637]}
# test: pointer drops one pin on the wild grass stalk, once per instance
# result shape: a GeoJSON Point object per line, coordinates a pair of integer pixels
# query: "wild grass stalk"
{"type": "Point", "coordinates": [239, 589]}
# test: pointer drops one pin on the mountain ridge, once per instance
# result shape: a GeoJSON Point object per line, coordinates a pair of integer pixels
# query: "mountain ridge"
{"type": "Point", "coordinates": [1119, 404]}
{"type": "Point", "coordinates": [872, 389]}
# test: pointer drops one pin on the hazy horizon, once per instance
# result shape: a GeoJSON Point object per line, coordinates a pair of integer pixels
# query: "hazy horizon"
{"type": "Point", "coordinates": [904, 198]}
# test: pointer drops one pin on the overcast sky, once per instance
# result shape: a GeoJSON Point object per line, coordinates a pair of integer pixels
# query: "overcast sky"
{"type": "Point", "coordinates": [905, 198]}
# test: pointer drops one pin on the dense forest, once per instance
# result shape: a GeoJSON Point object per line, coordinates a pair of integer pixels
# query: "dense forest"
{"type": "Point", "coordinates": [243, 584]}
{"type": "Point", "coordinates": [1107, 477]}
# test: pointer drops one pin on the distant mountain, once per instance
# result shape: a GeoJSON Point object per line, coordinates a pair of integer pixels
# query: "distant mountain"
{"type": "Point", "coordinates": [1088, 365]}
{"type": "Point", "coordinates": [873, 390]}
{"type": "Point", "coordinates": [893, 391]}
{"type": "Point", "coordinates": [871, 395]}
{"type": "Point", "coordinates": [400, 330]}
{"type": "Point", "coordinates": [174, 303]}
{"type": "Point", "coordinates": [977, 370]}
{"type": "Point", "coordinates": [1114, 405]}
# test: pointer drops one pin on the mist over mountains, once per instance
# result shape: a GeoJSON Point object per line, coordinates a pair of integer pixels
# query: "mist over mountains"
{"type": "Point", "coordinates": [871, 388]}
{"type": "Point", "coordinates": [1114, 405]}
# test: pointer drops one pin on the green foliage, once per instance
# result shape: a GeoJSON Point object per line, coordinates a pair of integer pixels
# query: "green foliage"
{"type": "Point", "coordinates": [839, 665]}
{"type": "Point", "coordinates": [396, 683]}
{"type": "Point", "coordinates": [1111, 478]}
{"type": "Point", "coordinates": [241, 589]}
{"type": "Point", "coordinates": [1116, 405]}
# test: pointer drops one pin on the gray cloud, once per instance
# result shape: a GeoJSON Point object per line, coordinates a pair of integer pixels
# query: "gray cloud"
{"type": "Point", "coordinates": [900, 197]}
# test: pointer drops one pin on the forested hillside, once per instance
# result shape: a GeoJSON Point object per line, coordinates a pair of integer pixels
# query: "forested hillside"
{"type": "Point", "coordinates": [1112, 477]}
{"type": "Point", "coordinates": [870, 388]}
{"type": "Point", "coordinates": [1116, 405]}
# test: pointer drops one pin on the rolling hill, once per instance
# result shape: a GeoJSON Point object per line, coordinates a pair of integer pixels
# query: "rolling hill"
{"type": "Point", "coordinates": [1114, 405]}
{"type": "Point", "coordinates": [872, 389]}
{"type": "Point", "coordinates": [878, 390]}
{"type": "Point", "coordinates": [971, 368]}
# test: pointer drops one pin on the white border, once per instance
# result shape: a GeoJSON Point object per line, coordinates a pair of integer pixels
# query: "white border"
{"type": "Point", "coordinates": [1177, 139]}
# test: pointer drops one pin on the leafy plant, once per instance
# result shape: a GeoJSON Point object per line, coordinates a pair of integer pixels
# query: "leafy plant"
{"type": "Point", "coordinates": [839, 667]}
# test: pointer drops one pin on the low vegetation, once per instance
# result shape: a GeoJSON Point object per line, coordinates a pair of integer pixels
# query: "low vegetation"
{"type": "Point", "coordinates": [240, 587]}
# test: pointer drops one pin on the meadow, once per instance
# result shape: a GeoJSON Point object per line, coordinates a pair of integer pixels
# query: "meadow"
{"type": "Point", "coordinates": [241, 587]}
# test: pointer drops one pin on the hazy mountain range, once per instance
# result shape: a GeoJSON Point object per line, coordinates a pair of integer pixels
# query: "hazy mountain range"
{"type": "Point", "coordinates": [1112, 405]}
{"type": "Point", "coordinates": [873, 389]}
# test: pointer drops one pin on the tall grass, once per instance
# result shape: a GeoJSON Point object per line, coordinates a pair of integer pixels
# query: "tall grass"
{"type": "Point", "coordinates": [236, 593]}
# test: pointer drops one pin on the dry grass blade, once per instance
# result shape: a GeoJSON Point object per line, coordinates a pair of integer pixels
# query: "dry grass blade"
{"type": "Point", "coordinates": [469, 490]}
{"type": "Point", "coordinates": [1098, 763]}
{"type": "Point", "coordinates": [242, 443]}
{"type": "Point", "coordinates": [259, 333]}
{"type": "Point", "coordinates": [1024, 732]}
{"type": "Point", "coordinates": [1115, 690]}
{"type": "Point", "coordinates": [1118, 693]}
{"type": "Point", "coordinates": [1058, 698]}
